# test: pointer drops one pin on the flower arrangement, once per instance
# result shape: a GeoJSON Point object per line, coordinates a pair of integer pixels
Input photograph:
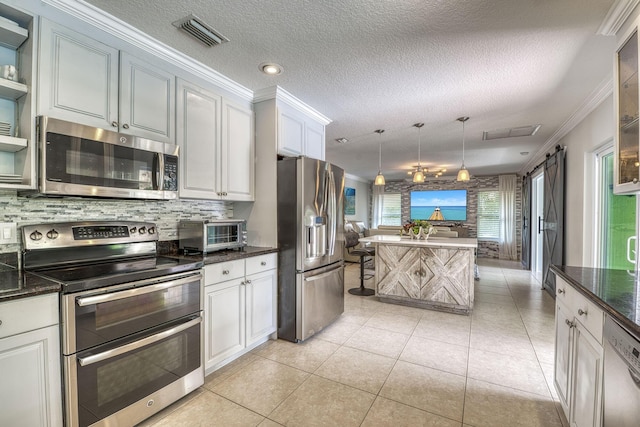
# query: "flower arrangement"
{"type": "Point", "coordinates": [419, 229]}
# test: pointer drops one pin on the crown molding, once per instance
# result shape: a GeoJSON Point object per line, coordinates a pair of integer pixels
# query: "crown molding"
{"type": "Point", "coordinates": [120, 29]}
{"type": "Point", "coordinates": [596, 97]}
{"type": "Point", "coordinates": [276, 92]}
{"type": "Point", "coordinates": [616, 17]}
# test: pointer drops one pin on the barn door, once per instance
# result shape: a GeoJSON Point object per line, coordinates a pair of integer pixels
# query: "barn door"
{"type": "Point", "coordinates": [553, 223]}
{"type": "Point", "coordinates": [526, 222]}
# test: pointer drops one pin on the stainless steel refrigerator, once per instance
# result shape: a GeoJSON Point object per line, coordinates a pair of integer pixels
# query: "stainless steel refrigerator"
{"type": "Point", "coordinates": [310, 241]}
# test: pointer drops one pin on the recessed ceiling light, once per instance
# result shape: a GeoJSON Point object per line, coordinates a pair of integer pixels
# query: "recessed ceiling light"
{"type": "Point", "coordinates": [342, 140]}
{"type": "Point", "coordinates": [271, 68]}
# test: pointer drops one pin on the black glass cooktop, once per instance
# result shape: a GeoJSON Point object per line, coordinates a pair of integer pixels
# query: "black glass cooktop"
{"type": "Point", "coordinates": [96, 275]}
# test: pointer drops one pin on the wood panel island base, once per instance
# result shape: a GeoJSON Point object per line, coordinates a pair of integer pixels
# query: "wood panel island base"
{"type": "Point", "coordinates": [436, 273]}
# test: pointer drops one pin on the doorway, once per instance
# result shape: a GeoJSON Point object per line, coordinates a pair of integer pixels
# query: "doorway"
{"type": "Point", "coordinates": [537, 218]}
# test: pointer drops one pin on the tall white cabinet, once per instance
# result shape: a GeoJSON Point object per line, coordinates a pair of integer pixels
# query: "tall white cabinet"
{"type": "Point", "coordinates": [579, 363]}
{"type": "Point", "coordinates": [215, 135]}
{"type": "Point", "coordinates": [85, 81]}
{"type": "Point", "coordinates": [30, 385]}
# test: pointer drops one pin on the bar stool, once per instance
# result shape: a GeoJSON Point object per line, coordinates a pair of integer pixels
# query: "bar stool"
{"type": "Point", "coordinates": [351, 240]}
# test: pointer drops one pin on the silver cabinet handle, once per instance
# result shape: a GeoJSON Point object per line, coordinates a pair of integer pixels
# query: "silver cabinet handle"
{"type": "Point", "coordinates": [569, 324]}
{"type": "Point", "coordinates": [263, 263]}
{"type": "Point", "coordinates": [85, 361]}
{"type": "Point", "coordinates": [225, 271]}
{"type": "Point", "coordinates": [102, 298]}
{"type": "Point", "coordinates": [114, 124]}
{"type": "Point", "coordinates": [582, 312]}
{"type": "Point", "coordinates": [561, 291]}
{"type": "Point", "coordinates": [248, 282]}
{"type": "Point", "coordinates": [126, 126]}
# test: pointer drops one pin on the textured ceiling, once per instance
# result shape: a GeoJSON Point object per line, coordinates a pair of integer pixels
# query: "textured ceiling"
{"type": "Point", "coordinates": [369, 64]}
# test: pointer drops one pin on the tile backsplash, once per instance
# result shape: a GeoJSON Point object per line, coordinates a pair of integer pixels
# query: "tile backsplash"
{"type": "Point", "coordinates": [165, 213]}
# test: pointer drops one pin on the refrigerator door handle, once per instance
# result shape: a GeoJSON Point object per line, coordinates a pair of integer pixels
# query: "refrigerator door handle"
{"type": "Point", "coordinates": [331, 205]}
{"type": "Point", "coordinates": [322, 275]}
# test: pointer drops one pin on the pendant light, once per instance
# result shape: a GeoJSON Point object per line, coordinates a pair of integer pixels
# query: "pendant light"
{"type": "Point", "coordinates": [379, 178]}
{"type": "Point", "coordinates": [463, 173]}
{"type": "Point", "coordinates": [418, 176]}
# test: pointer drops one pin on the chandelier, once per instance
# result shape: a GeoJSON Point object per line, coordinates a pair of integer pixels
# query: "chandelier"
{"type": "Point", "coordinates": [426, 172]}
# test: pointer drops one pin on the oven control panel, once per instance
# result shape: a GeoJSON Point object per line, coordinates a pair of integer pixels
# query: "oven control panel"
{"type": "Point", "coordinates": [86, 233]}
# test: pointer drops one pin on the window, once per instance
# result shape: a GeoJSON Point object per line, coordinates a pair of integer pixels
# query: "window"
{"type": "Point", "coordinates": [391, 209]}
{"type": "Point", "coordinates": [489, 214]}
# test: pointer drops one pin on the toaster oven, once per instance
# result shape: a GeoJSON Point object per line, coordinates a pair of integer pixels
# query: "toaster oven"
{"type": "Point", "coordinates": [213, 235]}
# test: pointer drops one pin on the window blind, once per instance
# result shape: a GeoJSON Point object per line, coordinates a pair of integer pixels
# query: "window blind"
{"type": "Point", "coordinates": [489, 214]}
{"type": "Point", "coordinates": [391, 209]}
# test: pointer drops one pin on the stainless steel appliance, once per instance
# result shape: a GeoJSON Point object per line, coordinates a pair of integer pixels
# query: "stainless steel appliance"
{"type": "Point", "coordinates": [130, 320]}
{"type": "Point", "coordinates": [621, 376]}
{"type": "Point", "coordinates": [310, 243]}
{"type": "Point", "coordinates": [210, 236]}
{"type": "Point", "coordinates": [79, 160]}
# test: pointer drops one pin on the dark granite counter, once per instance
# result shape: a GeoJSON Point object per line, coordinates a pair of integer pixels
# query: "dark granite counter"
{"type": "Point", "coordinates": [230, 255]}
{"type": "Point", "coordinates": [616, 291]}
{"type": "Point", "coordinates": [19, 284]}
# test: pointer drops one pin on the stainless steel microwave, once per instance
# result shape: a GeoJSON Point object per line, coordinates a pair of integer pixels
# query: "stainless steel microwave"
{"type": "Point", "coordinates": [209, 236]}
{"type": "Point", "coordinates": [78, 160]}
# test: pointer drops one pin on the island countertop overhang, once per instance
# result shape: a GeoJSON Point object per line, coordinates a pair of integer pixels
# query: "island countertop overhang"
{"type": "Point", "coordinates": [431, 242]}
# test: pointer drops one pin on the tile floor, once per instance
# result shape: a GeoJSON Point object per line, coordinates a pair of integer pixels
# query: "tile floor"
{"type": "Point", "coordinates": [389, 365]}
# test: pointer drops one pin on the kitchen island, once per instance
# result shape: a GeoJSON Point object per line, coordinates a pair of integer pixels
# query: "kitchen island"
{"type": "Point", "coordinates": [436, 273]}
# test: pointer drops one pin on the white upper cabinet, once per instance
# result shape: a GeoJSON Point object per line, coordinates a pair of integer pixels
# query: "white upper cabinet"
{"type": "Point", "coordinates": [314, 140]}
{"type": "Point", "coordinates": [216, 141]}
{"type": "Point", "coordinates": [85, 81]}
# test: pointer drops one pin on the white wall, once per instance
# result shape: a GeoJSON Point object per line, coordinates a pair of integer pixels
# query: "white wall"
{"type": "Point", "coordinates": [594, 131]}
{"type": "Point", "coordinates": [363, 188]}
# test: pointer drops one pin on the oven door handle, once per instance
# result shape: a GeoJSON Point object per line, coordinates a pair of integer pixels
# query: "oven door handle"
{"type": "Point", "coordinates": [95, 358]}
{"type": "Point", "coordinates": [102, 298]}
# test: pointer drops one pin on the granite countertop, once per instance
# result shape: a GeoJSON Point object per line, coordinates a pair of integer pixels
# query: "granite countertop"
{"type": "Point", "coordinates": [16, 284]}
{"type": "Point", "coordinates": [231, 254]}
{"type": "Point", "coordinates": [432, 242]}
{"type": "Point", "coordinates": [616, 291]}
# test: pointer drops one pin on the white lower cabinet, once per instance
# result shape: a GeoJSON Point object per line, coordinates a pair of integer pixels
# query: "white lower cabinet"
{"type": "Point", "coordinates": [240, 307]}
{"type": "Point", "coordinates": [30, 388]}
{"type": "Point", "coordinates": [578, 356]}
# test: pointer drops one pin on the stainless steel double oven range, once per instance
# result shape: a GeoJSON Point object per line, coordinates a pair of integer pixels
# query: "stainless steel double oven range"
{"type": "Point", "coordinates": [130, 319]}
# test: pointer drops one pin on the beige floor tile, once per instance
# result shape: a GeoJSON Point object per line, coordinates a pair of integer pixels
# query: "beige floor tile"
{"type": "Point", "coordinates": [488, 289]}
{"type": "Point", "coordinates": [357, 368]}
{"type": "Point", "coordinates": [176, 406]}
{"type": "Point", "coordinates": [321, 402]}
{"type": "Point", "coordinates": [507, 300]}
{"type": "Point", "coordinates": [508, 371]}
{"type": "Point", "coordinates": [378, 341]}
{"type": "Point", "coordinates": [436, 354]}
{"type": "Point", "coordinates": [262, 385]}
{"type": "Point", "coordinates": [547, 370]}
{"type": "Point", "coordinates": [503, 343]}
{"type": "Point", "coordinates": [451, 331]}
{"type": "Point", "coordinates": [269, 423]}
{"type": "Point", "coordinates": [387, 413]}
{"type": "Point", "coordinates": [357, 315]}
{"type": "Point", "coordinates": [393, 322]}
{"type": "Point", "coordinates": [221, 374]}
{"type": "Point", "coordinates": [307, 355]}
{"type": "Point", "coordinates": [338, 332]}
{"type": "Point", "coordinates": [545, 350]}
{"type": "Point", "coordinates": [209, 409]}
{"type": "Point", "coordinates": [402, 310]}
{"type": "Point", "coordinates": [492, 405]}
{"type": "Point", "coordinates": [428, 389]}
{"type": "Point", "coordinates": [514, 327]}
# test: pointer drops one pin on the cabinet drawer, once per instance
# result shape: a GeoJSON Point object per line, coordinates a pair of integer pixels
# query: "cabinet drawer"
{"type": "Point", "coordinates": [565, 292]}
{"type": "Point", "coordinates": [260, 263]}
{"type": "Point", "coordinates": [590, 315]}
{"type": "Point", "coordinates": [220, 272]}
{"type": "Point", "coordinates": [27, 314]}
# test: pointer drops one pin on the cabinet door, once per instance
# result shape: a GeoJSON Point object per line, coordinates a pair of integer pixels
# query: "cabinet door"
{"type": "Point", "coordinates": [261, 291]}
{"type": "Point", "coordinates": [30, 390]}
{"type": "Point", "coordinates": [198, 137]}
{"type": "Point", "coordinates": [78, 78]}
{"type": "Point", "coordinates": [147, 100]}
{"type": "Point", "coordinates": [586, 388]}
{"type": "Point", "coordinates": [237, 152]}
{"type": "Point", "coordinates": [290, 133]}
{"type": "Point", "coordinates": [626, 171]}
{"type": "Point", "coordinates": [562, 364]}
{"type": "Point", "coordinates": [398, 271]}
{"type": "Point", "coordinates": [224, 317]}
{"type": "Point", "coordinates": [314, 140]}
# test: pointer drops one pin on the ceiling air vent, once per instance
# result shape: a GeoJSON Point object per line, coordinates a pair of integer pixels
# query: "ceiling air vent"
{"type": "Point", "coordinates": [510, 133]}
{"type": "Point", "coordinates": [201, 31]}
